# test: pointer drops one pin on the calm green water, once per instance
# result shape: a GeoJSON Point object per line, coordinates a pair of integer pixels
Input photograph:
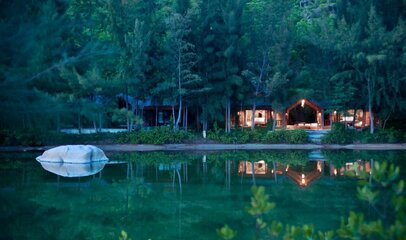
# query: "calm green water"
{"type": "Point", "coordinates": [177, 195]}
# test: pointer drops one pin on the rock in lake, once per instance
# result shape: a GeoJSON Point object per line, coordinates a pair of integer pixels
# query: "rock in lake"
{"type": "Point", "coordinates": [73, 154]}
{"type": "Point", "coordinates": [74, 169]}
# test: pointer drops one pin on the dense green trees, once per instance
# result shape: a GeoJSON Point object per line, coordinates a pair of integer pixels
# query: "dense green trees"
{"type": "Point", "coordinates": [65, 62]}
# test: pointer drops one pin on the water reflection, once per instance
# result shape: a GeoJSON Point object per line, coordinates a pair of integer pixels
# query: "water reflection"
{"type": "Point", "coordinates": [74, 169]}
{"type": "Point", "coordinates": [302, 175]}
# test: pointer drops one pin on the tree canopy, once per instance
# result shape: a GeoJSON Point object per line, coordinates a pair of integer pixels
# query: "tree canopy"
{"type": "Point", "coordinates": [65, 62]}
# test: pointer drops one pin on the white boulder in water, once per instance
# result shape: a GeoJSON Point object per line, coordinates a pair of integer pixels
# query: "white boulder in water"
{"type": "Point", "coordinates": [73, 154]}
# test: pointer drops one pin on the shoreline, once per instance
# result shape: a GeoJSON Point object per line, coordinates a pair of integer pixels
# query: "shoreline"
{"type": "Point", "coordinates": [220, 147]}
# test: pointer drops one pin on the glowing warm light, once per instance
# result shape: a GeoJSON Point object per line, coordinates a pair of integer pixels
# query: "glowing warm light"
{"type": "Point", "coordinates": [303, 181]}
{"type": "Point", "coordinates": [272, 171]}
{"type": "Point", "coordinates": [287, 168]}
{"type": "Point", "coordinates": [335, 171]}
{"type": "Point", "coordinates": [303, 103]}
{"type": "Point", "coordinates": [335, 112]}
{"type": "Point", "coordinates": [319, 113]}
{"type": "Point", "coordinates": [303, 176]}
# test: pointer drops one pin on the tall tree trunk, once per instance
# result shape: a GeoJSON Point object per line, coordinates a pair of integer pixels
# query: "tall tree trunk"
{"type": "Point", "coordinates": [179, 114]}
{"type": "Point", "coordinates": [371, 115]}
{"type": "Point", "coordinates": [127, 107]}
{"type": "Point", "coordinates": [225, 119]}
{"type": "Point", "coordinates": [179, 87]}
{"type": "Point", "coordinates": [79, 123]}
{"type": "Point", "coordinates": [173, 115]}
{"type": "Point", "coordinates": [284, 120]}
{"type": "Point", "coordinates": [322, 118]}
{"type": "Point", "coordinates": [186, 117]}
{"type": "Point", "coordinates": [205, 124]}
{"type": "Point", "coordinates": [156, 116]}
{"type": "Point", "coordinates": [386, 119]}
{"type": "Point", "coordinates": [354, 117]}
{"type": "Point", "coordinates": [275, 114]}
{"type": "Point", "coordinates": [100, 122]}
{"type": "Point", "coordinates": [228, 116]}
{"type": "Point", "coordinates": [254, 106]}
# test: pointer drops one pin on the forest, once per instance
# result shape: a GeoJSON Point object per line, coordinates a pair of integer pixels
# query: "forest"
{"type": "Point", "coordinates": [64, 63]}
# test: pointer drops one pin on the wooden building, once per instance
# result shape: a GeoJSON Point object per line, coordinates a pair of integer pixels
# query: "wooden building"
{"type": "Point", "coordinates": [302, 114]}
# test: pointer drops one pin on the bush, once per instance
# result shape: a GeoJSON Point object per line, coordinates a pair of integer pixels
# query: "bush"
{"type": "Point", "coordinates": [159, 135]}
{"type": "Point", "coordinates": [339, 135]}
{"type": "Point", "coordinates": [259, 136]}
{"type": "Point", "coordinates": [23, 137]}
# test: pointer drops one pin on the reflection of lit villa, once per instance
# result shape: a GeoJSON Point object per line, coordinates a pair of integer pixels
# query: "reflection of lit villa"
{"type": "Point", "coordinates": [305, 114]}
{"type": "Point", "coordinates": [303, 176]}
{"type": "Point", "coordinates": [357, 167]}
{"type": "Point", "coordinates": [260, 168]}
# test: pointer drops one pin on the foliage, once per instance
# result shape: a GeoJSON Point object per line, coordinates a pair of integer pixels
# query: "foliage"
{"type": "Point", "coordinates": [159, 135]}
{"type": "Point", "coordinates": [340, 135]}
{"type": "Point", "coordinates": [32, 137]}
{"type": "Point", "coordinates": [259, 136]}
{"type": "Point", "coordinates": [66, 62]}
{"type": "Point", "coordinates": [226, 232]}
{"type": "Point", "coordinates": [383, 191]}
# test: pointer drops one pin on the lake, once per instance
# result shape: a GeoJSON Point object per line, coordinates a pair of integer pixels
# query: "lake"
{"type": "Point", "coordinates": [178, 195]}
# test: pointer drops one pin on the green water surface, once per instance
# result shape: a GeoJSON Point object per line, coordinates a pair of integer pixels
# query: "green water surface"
{"type": "Point", "coordinates": [176, 195]}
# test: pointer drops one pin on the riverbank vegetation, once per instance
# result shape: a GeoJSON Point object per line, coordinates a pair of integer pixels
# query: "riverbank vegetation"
{"type": "Point", "coordinates": [68, 64]}
{"type": "Point", "coordinates": [339, 134]}
{"type": "Point", "coordinates": [165, 135]}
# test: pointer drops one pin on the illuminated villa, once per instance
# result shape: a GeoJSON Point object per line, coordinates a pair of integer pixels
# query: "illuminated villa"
{"type": "Point", "coordinates": [305, 114]}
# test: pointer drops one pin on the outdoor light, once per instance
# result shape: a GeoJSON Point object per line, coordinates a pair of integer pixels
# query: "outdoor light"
{"type": "Point", "coordinates": [303, 176]}
{"type": "Point", "coordinates": [335, 172]}
{"type": "Point", "coordinates": [303, 182]}
{"type": "Point", "coordinates": [303, 103]}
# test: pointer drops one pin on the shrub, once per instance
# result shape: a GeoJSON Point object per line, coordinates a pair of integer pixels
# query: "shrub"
{"type": "Point", "coordinates": [287, 136]}
{"type": "Point", "coordinates": [338, 135]}
{"type": "Point", "coordinates": [260, 136]}
{"type": "Point", "coordinates": [159, 135]}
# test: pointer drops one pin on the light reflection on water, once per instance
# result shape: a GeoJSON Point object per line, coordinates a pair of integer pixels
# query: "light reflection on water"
{"type": "Point", "coordinates": [176, 195]}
